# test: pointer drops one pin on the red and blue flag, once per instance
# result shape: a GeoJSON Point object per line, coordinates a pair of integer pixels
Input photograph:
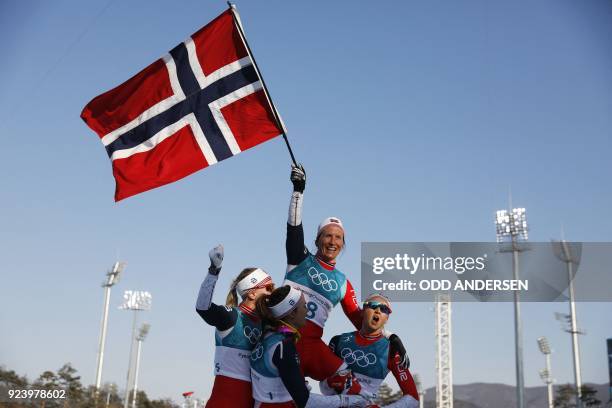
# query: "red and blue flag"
{"type": "Point", "coordinates": [201, 103]}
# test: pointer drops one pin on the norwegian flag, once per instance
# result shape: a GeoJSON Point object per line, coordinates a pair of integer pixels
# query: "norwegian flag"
{"type": "Point", "coordinates": [201, 103]}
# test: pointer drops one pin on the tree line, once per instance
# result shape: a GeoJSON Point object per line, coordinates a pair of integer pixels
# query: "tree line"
{"type": "Point", "coordinates": [69, 383]}
{"type": "Point", "coordinates": [566, 397]}
{"type": "Point", "coordinates": [79, 396]}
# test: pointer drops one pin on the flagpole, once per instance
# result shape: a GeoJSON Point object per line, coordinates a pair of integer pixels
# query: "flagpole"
{"type": "Point", "coordinates": [265, 88]}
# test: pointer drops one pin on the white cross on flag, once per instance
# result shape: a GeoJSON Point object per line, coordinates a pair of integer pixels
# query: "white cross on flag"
{"type": "Point", "coordinates": [201, 103]}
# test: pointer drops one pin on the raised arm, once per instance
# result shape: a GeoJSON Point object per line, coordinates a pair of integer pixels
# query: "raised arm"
{"type": "Point", "coordinates": [294, 245]}
{"type": "Point", "coordinates": [219, 316]}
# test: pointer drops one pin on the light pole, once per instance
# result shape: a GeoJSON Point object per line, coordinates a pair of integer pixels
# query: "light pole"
{"type": "Point", "coordinates": [144, 330]}
{"type": "Point", "coordinates": [569, 258]}
{"type": "Point", "coordinates": [609, 344]}
{"type": "Point", "coordinates": [110, 389]}
{"type": "Point", "coordinates": [512, 227]}
{"type": "Point", "coordinates": [135, 301]}
{"type": "Point", "coordinates": [420, 390]}
{"type": "Point", "coordinates": [546, 373]}
{"type": "Point", "coordinates": [112, 277]}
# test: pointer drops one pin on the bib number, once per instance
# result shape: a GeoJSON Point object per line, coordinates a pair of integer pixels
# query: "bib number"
{"type": "Point", "coordinates": [312, 308]}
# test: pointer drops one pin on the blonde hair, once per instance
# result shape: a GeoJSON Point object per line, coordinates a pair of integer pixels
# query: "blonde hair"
{"type": "Point", "coordinates": [380, 296]}
{"type": "Point", "coordinates": [232, 295]}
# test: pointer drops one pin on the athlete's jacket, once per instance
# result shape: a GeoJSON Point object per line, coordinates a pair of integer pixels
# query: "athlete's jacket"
{"type": "Point", "coordinates": [369, 359]}
{"type": "Point", "coordinates": [276, 377]}
{"type": "Point", "coordinates": [238, 329]}
{"type": "Point", "coordinates": [323, 285]}
{"type": "Point", "coordinates": [266, 359]}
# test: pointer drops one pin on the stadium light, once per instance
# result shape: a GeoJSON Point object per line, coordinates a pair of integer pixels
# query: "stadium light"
{"type": "Point", "coordinates": [142, 334]}
{"type": "Point", "coordinates": [135, 301]}
{"type": "Point", "coordinates": [511, 224]}
{"type": "Point", "coordinates": [511, 227]}
{"type": "Point", "coordinates": [543, 345]}
{"type": "Point", "coordinates": [545, 373]}
{"type": "Point", "coordinates": [562, 317]}
{"type": "Point", "coordinates": [112, 278]}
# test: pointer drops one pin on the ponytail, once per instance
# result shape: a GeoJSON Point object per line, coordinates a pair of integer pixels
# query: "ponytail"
{"type": "Point", "coordinates": [232, 295]}
{"type": "Point", "coordinates": [262, 309]}
{"type": "Point", "coordinates": [264, 302]}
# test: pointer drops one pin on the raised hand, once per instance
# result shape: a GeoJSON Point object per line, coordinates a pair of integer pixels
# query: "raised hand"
{"type": "Point", "coordinates": [216, 259]}
{"type": "Point", "coordinates": [298, 177]}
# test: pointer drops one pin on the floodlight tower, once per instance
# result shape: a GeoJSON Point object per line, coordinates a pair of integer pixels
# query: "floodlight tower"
{"type": "Point", "coordinates": [546, 374]}
{"type": "Point", "coordinates": [136, 301]}
{"type": "Point", "coordinates": [112, 277]}
{"type": "Point", "coordinates": [144, 330]}
{"type": "Point", "coordinates": [420, 390]}
{"type": "Point", "coordinates": [570, 260]}
{"type": "Point", "coordinates": [444, 361]}
{"type": "Point", "coordinates": [512, 227]}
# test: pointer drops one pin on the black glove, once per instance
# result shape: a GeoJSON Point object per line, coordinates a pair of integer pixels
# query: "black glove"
{"type": "Point", "coordinates": [298, 177]}
{"type": "Point", "coordinates": [397, 347]}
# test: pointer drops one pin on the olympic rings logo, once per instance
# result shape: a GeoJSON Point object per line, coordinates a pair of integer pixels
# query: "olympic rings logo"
{"type": "Point", "coordinates": [357, 357]}
{"type": "Point", "coordinates": [321, 279]}
{"type": "Point", "coordinates": [252, 334]}
{"type": "Point", "coordinates": [257, 353]}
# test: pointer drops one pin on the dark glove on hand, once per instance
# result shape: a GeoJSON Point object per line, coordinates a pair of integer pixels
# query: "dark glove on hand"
{"type": "Point", "coordinates": [397, 347]}
{"type": "Point", "coordinates": [298, 177]}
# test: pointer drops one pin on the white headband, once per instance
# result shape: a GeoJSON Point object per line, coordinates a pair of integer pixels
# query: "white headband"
{"type": "Point", "coordinates": [257, 278]}
{"type": "Point", "coordinates": [330, 220]}
{"type": "Point", "coordinates": [287, 304]}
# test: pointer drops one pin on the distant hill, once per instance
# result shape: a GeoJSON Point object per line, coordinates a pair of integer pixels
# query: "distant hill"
{"type": "Point", "coordinates": [491, 395]}
{"type": "Point", "coordinates": [456, 404]}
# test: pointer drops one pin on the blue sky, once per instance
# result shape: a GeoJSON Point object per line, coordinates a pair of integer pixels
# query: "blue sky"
{"type": "Point", "coordinates": [413, 120]}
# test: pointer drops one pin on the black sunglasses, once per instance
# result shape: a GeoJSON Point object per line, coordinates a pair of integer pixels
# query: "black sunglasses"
{"type": "Point", "coordinates": [377, 305]}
